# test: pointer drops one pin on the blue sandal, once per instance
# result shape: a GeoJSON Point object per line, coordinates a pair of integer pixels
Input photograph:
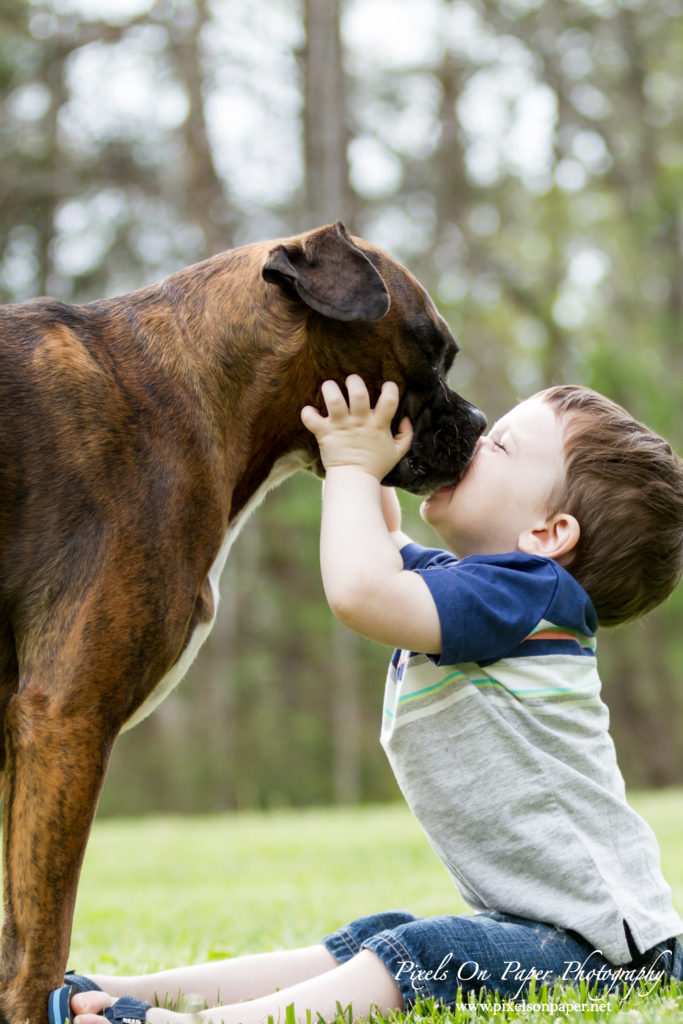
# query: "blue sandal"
{"type": "Point", "coordinates": [126, 1010]}
{"type": "Point", "coordinates": [80, 983]}
{"type": "Point", "coordinates": [59, 1005]}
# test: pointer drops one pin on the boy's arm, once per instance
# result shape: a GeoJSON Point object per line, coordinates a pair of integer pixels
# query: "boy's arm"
{"type": "Point", "coordinates": [365, 582]}
{"type": "Point", "coordinates": [391, 510]}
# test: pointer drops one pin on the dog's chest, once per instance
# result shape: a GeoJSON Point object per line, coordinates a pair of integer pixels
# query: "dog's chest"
{"type": "Point", "coordinates": [283, 468]}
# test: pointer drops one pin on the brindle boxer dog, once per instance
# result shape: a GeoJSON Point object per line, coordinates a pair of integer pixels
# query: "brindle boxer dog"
{"type": "Point", "coordinates": [136, 435]}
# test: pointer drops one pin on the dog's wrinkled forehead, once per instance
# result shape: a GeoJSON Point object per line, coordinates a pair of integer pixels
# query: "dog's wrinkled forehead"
{"type": "Point", "coordinates": [424, 342]}
{"type": "Point", "coordinates": [426, 348]}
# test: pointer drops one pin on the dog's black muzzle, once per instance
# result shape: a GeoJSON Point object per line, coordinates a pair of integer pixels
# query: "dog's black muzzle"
{"type": "Point", "coordinates": [446, 430]}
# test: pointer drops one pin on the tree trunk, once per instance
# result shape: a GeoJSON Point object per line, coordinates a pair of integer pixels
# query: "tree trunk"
{"type": "Point", "coordinates": [327, 194]}
{"type": "Point", "coordinates": [203, 192]}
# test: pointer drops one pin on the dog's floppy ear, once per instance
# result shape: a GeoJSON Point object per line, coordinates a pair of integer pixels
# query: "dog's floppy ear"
{"type": "Point", "coordinates": [330, 274]}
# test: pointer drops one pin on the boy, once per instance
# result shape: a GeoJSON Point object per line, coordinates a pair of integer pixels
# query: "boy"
{"type": "Point", "coordinates": [497, 734]}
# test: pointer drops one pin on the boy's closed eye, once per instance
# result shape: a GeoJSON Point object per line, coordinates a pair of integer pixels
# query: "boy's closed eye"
{"type": "Point", "coordinates": [498, 440]}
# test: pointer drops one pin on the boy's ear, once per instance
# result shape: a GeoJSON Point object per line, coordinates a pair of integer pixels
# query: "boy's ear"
{"type": "Point", "coordinates": [554, 538]}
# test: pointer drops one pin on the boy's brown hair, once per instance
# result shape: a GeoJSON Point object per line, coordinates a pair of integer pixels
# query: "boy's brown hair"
{"type": "Point", "coordinates": [624, 485]}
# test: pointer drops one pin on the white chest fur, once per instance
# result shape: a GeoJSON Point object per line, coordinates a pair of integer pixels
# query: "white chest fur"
{"type": "Point", "coordinates": [283, 468]}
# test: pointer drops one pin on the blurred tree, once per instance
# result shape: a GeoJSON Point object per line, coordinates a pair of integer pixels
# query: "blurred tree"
{"type": "Point", "coordinates": [201, 192]}
{"type": "Point", "coordinates": [327, 193]}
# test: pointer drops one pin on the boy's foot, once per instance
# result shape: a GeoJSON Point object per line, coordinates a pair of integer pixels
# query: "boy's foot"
{"type": "Point", "coordinates": [124, 1010]}
{"type": "Point", "coordinates": [68, 1002]}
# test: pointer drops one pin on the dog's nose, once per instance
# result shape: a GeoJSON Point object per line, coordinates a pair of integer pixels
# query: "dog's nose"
{"type": "Point", "coordinates": [479, 421]}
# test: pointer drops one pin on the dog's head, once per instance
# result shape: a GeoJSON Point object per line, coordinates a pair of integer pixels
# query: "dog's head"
{"type": "Point", "coordinates": [376, 320]}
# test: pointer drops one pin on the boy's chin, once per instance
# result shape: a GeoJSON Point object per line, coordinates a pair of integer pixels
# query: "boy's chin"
{"type": "Point", "coordinates": [425, 509]}
{"type": "Point", "coordinates": [432, 512]}
{"type": "Point", "coordinates": [433, 502]}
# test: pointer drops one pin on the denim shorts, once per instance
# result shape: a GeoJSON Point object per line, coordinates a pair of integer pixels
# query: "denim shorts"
{"type": "Point", "coordinates": [438, 957]}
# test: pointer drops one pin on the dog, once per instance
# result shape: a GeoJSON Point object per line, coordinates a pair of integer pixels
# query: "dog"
{"type": "Point", "coordinates": [136, 436]}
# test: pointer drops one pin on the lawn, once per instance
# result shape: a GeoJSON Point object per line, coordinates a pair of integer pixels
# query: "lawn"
{"type": "Point", "coordinates": [162, 891]}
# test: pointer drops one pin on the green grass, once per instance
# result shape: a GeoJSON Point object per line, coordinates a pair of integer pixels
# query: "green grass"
{"type": "Point", "coordinates": [164, 891]}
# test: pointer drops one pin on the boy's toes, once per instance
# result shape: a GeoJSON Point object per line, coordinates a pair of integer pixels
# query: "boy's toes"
{"type": "Point", "coordinates": [90, 1003]}
{"type": "Point", "coordinates": [88, 1018]}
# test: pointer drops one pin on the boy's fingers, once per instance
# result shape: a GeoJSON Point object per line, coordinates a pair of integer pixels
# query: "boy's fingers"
{"type": "Point", "coordinates": [359, 399]}
{"type": "Point", "coordinates": [387, 403]}
{"type": "Point", "coordinates": [311, 418]}
{"type": "Point", "coordinates": [359, 406]}
{"type": "Point", "coordinates": [334, 400]}
{"type": "Point", "coordinates": [404, 438]}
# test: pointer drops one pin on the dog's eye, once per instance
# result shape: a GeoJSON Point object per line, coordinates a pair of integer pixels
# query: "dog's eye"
{"type": "Point", "coordinates": [448, 356]}
{"type": "Point", "coordinates": [429, 340]}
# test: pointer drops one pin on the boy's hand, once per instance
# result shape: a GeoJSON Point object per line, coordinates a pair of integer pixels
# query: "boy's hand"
{"type": "Point", "coordinates": [358, 435]}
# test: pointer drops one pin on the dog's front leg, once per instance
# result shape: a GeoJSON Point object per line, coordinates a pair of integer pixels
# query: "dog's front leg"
{"type": "Point", "coordinates": [57, 751]}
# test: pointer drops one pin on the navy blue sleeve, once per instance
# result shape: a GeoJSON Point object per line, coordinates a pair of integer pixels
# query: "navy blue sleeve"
{"type": "Point", "coordinates": [488, 604]}
{"type": "Point", "coordinates": [416, 557]}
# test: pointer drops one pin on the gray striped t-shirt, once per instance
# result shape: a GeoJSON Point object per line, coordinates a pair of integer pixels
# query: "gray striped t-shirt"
{"type": "Point", "coordinates": [501, 748]}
